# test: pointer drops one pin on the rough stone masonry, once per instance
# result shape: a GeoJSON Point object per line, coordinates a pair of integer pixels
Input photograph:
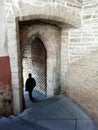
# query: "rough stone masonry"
{"type": "Point", "coordinates": [74, 63]}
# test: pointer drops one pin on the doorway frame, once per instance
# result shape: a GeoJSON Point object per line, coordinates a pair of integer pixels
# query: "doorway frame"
{"type": "Point", "coordinates": [65, 20]}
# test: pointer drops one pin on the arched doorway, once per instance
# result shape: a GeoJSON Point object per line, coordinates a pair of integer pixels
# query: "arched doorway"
{"type": "Point", "coordinates": [38, 56]}
{"type": "Point", "coordinates": [40, 39]}
{"type": "Point", "coordinates": [48, 13]}
{"type": "Point", "coordinates": [34, 61]}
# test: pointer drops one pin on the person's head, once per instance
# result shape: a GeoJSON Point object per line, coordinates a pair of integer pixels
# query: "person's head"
{"type": "Point", "coordinates": [29, 75]}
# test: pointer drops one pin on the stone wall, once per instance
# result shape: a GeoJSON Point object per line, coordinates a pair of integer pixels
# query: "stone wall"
{"type": "Point", "coordinates": [82, 68]}
{"type": "Point", "coordinates": [5, 70]}
{"type": "Point", "coordinates": [26, 62]}
{"type": "Point", "coordinates": [84, 40]}
{"type": "Point", "coordinates": [39, 60]}
{"type": "Point", "coordinates": [82, 83]}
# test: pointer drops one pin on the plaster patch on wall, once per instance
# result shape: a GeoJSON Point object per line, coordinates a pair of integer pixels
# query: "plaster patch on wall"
{"type": "Point", "coordinates": [5, 87]}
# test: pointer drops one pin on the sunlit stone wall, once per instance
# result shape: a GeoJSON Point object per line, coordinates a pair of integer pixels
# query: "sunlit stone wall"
{"type": "Point", "coordinates": [82, 71]}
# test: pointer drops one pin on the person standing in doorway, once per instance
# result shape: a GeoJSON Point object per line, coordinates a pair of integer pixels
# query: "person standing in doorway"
{"type": "Point", "coordinates": [29, 86]}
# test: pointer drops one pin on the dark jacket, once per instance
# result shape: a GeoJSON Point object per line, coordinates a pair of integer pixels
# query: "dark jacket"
{"type": "Point", "coordinates": [30, 84]}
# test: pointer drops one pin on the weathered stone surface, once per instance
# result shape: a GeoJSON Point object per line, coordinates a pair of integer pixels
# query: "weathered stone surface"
{"type": "Point", "coordinates": [73, 45]}
{"type": "Point", "coordinates": [82, 82]}
{"type": "Point", "coordinates": [50, 35]}
{"type": "Point", "coordinates": [5, 87]}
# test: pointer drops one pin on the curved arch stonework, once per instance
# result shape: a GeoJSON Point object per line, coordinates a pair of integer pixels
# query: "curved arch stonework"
{"type": "Point", "coordinates": [52, 14]}
{"type": "Point", "coordinates": [56, 12]}
{"type": "Point", "coordinates": [50, 36]}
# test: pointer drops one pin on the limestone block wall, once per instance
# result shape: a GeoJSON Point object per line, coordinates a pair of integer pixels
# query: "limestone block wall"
{"type": "Point", "coordinates": [39, 69]}
{"type": "Point", "coordinates": [82, 83]}
{"type": "Point", "coordinates": [82, 73]}
{"type": "Point", "coordinates": [64, 57]}
{"type": "Point", "coordinates": [84, 40]}
{"type": "Point", "coordinates": [26, 62]}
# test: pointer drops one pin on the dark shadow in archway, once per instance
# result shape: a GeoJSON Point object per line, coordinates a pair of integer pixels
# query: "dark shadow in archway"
{"type": "Point", "coordinates": [34, 61]}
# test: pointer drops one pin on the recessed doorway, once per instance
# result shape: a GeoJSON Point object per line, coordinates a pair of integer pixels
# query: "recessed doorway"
{"type": "Point", "coordinates": [34, 61]}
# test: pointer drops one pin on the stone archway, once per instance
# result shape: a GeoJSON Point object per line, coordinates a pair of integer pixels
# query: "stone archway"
{"type": "Point", "coordinates": [48, 14]}
{"type": "Point", "coordinates": [34, 61]}
{"type": "Point", "coordinates": [39, 57]}
{"type": "Point", "coordinates": [50, 36]}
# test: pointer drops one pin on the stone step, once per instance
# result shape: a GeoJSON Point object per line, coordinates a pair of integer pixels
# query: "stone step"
{"type": "Point", "coordinates": [48, 112]}
{"type": "Point", "coordinates": [36, 95]}
{"type": "Point", "coordinates": [15, 123]}
{"type": "Point", "coordinates": [5, 125]}
{"type": "Point", "coordinates": [22, 124]}
{"type": "Point", "coordinates": [85, 125]}
{"type": "Point", "coordinates": [56, 113]}
{"type": "Point", "coordinates": [96, 124]}
{"type": "Point", "coordinates": [58, 124]}
{"type": "Point", "coordinates": [39, 105]}
{"type": "Point", "coordinates": [73, 108]}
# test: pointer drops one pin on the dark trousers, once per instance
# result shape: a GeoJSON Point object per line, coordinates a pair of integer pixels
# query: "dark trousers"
{"type": "Point", "coordinates": [30, 95]}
